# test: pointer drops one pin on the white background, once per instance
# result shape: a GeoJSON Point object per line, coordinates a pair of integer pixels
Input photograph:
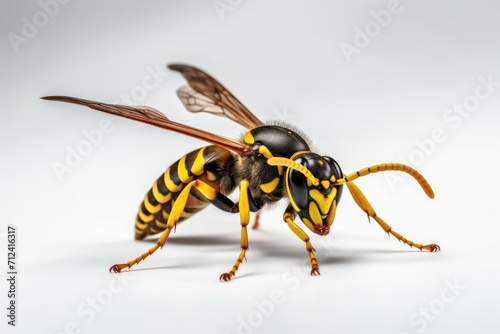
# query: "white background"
{"type": "Point", "coordinates": [284, 61]}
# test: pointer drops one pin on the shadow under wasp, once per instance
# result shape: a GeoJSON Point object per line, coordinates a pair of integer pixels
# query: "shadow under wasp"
{"type": "Point", "coordinates": [271, 162]}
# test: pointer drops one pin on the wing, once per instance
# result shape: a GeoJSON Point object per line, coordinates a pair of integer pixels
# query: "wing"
{"type": "Point", "coordinates": [152, 116]}
{"type": "Point", "coordinates": [204, 93]}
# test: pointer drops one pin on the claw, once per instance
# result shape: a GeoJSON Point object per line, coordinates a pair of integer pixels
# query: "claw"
{"type": "Point", "coordinates": [226, 277]}
{"type": "Point", "coordinates": [315, 271]}
{"type": "Point", "coordinates": [433, 248]}
{"type": "Point", "coordinates": [115, 269]}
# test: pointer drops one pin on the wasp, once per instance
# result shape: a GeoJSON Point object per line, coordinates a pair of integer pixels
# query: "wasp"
{"type": "Point", "coordinates": [269, 163]}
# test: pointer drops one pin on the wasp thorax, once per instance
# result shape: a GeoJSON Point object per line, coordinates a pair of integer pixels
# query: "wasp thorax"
{"type": "Point", "coordinates": [312, 190]}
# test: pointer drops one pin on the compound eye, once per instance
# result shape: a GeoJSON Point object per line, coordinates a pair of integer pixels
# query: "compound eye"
{"type": "Point", "coordinates": [337, 172]}
{"type": "Point", "coordinates": [298, 188]}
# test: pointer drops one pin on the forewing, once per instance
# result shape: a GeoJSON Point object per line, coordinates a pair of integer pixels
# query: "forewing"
{"type": "Point", "coordinates": [153, 117]}
{"type": "Point", "coordinates": [204, 93]}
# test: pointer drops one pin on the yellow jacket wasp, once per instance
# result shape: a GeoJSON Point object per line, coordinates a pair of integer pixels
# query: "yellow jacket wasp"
{"type": "Point", "coordinates": [271, 162]}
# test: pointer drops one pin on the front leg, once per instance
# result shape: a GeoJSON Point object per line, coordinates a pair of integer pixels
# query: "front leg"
{"type": "Point", "coordinates": [288, 217]}
{"type": "Point", "coordinates": [363, 203]}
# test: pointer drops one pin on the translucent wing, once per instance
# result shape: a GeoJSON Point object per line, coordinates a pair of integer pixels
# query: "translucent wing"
{"type": "Point", "coordinates": [204, 93]}
{"type": "Point", "coordinates": [152, 116]}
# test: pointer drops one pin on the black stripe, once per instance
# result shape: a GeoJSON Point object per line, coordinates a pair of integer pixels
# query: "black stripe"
{"type": "Point", "coordinates": [198, 195]}
{"type": "Point", "coordinates": [161, 220]}
{"type": "Point", "coordinates": [160, 214]}
{"type": "Point", "coordinates": [151, 198]}
{"type": "Point", "coordinates": [144, 210]}
{"type": "Point", "coordinates": [192, 209]}
{"type": "Point", "coordinates": [162, 187]}
{"type": "Point", "coordinates": [174, 176]}
{"type": "Point", "coordinates": [190, 158]}
{"type": "Point", "coordinates": [167, 207]}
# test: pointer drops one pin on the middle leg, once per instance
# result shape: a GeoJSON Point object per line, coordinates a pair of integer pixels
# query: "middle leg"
{"type": "Point", "coordinates": [288, 217]}
{"type": "Point", "coordinates": [244, 209]}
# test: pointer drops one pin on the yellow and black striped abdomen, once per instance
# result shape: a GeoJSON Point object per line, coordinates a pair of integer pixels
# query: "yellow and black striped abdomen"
{"type": "Point", "coordinates": [207, 163]}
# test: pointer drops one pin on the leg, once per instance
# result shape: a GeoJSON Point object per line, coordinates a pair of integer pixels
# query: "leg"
{"type": "Point", "coordinates": [256, 221]}
{"type": "Point", "coordinates": [207, 191]}
{"type": "Point", "coordinates": [244, 209]}
{"type": "Point", "coordinates": [288, 217]}
{"type": "Point", "coordinates": [363, 203]}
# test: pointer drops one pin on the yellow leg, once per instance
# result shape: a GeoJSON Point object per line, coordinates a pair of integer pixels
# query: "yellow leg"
{"type": "Point", "coordinates": [244, 209]}
{"type": "Point", "coordinates": [175, 214]}
{"type": "Point", "coordinates": [363, 203]}
{"type": "Point", "coordinates": [288, 218]}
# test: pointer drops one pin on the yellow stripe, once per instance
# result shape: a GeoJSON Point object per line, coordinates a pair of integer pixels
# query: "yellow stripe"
{"type": "Point", "coordinates": [270, 186]}
{"type": "Point", "coordinates": [185, 214]}
{"type": "Point", "coordinates": [165, 215]}
{"type": "Point", "coordinates": [265, 152]}
{"type": "Point", "coordinates": [160, 224]}
{"type": "Point", "coordinates": [324, 202]}
{"type": "Point", "coordinates": [159, 196]}
{"type": "Point", "coordinates": [248, 138]}
{"type": "Point", "coordinates": [154, 231]}
{"type": "Point", "coordinates": [198, 167]}
{"type": "Point", "coordinates": [331, 214]}
{"type": "Point", "coordinates": [211, 176]}
{"type": "Point", "coordinates": [183, 172]}
{"type": "Point", "coordinates": [145, 218]}
{"type": "Point", "coordinates": [140, 225]}
{"type": "Point", "coordinates": [151, 208]}
{"type": "Point", "coordinates": [170, 184]}
{"type": "Point", "coordinates": [201, 206]}
{"type": "Point", "coordinates": [207, 191]}
{"type": "Point", "coordinates": [314, 214]}
{"type": "Point", "coordinates": [308, 224]}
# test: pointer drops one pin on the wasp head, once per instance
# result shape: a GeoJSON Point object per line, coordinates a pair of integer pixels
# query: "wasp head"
{"type": "Point", "coordinates": [310, 184]}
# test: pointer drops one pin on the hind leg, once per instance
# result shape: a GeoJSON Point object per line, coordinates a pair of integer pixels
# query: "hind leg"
{"type": "Point", "coordinates": [207, 191]}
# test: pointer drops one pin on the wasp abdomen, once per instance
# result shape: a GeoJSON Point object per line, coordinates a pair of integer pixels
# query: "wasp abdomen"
{"type": "Point", "coordinates": [207, 163]}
